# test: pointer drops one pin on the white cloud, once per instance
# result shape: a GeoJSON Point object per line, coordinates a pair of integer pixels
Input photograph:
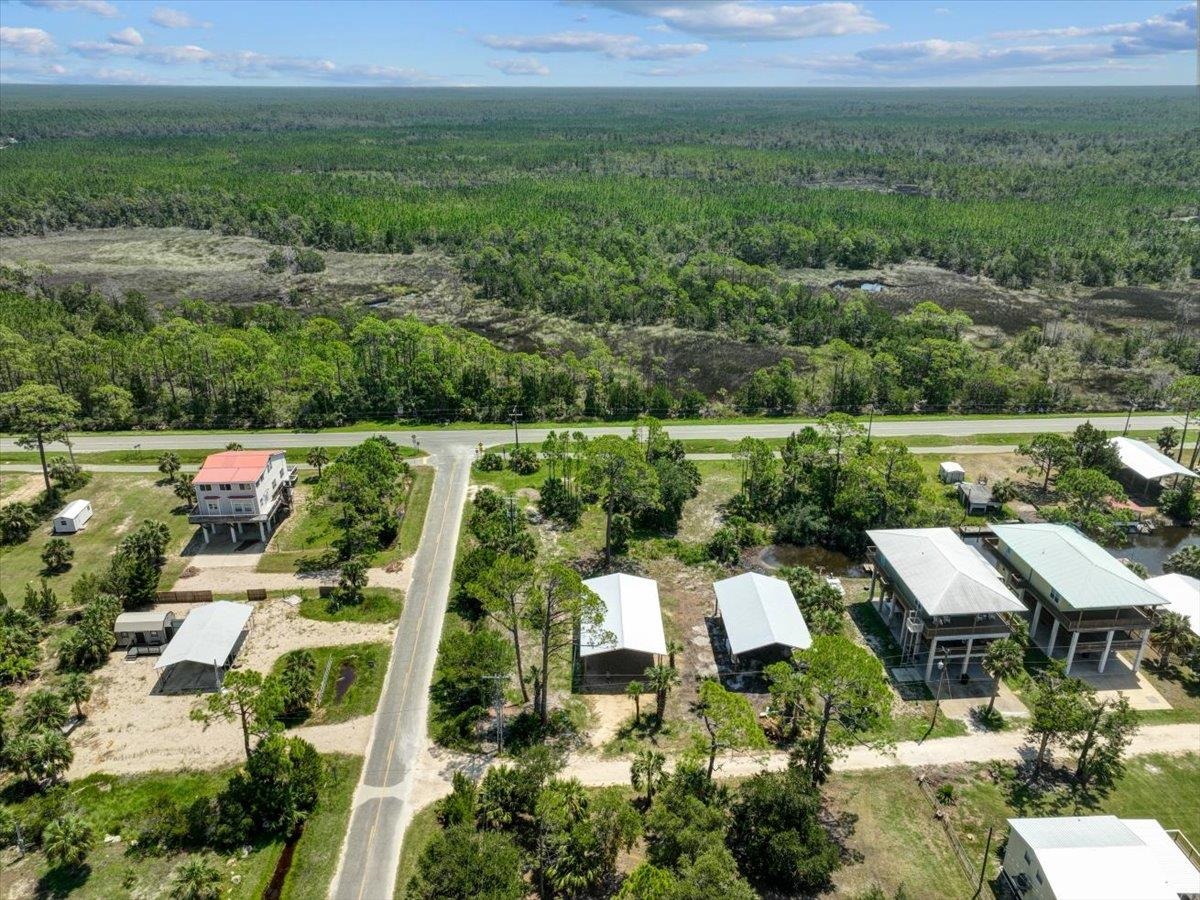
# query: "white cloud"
{"type": "Point", "coordinates": [522, 65]}
{"type": "Point", "coordinates": [188, 53]}
{"type": "Point", "coordinates": [32, 69]}
{"type": "Point", "coordinates": [614, 46]}
{"type": "Point", "coordinates": [165, 17]}
{"type": "Point", "coordinates": [1167, 33]}
{"type": "Point", "coordinates": [130, 37]}
{"type": "Point", "coordinates": [941, 11]}
{"type": "Point", "coordinates": [95, 7]}
{"type": "Point", "coordinates": [248, 64]}
{"type": "Point", "coordinates": [123, 76]}
{"type": "Point", "coordinates": [28, 41]}
{"type": "Point", "coordinates": [745, 21]}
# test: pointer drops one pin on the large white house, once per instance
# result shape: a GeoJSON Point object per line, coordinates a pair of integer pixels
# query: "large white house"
{"type": "Point", "coordinates": [242, 487]}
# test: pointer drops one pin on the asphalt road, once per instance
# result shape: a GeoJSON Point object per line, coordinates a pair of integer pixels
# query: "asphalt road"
{"type": "Point", "coordinates": [381, 812]}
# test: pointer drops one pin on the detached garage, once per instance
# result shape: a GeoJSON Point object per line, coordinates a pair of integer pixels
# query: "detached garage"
{"type": "Point", "coordinates": [72, 517]}
{"type": "Point", "coordinates": [761, 617]}
{"type": "Point", "coordinates": [624, 645]}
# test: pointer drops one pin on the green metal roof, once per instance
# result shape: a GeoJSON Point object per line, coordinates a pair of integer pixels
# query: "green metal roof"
{"type": "Point", "coordinates": [1082, 573]}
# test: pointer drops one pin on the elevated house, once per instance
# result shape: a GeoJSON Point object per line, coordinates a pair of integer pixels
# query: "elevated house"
{"type": "Point", "coordinates": [1098, 858]}
{"type": "Point", "coordinates": [761, 617]}
{"type": "Point", "coordinates": [240, 488]}
{"type": "Point", "coordinates": [1093, 602]}
{"type": "Point", "coordinates": [946, 600]}
{"type": "Point", "coordinates": [626, 643]}
{"type": "Point", "coordinates": [1145, 468]}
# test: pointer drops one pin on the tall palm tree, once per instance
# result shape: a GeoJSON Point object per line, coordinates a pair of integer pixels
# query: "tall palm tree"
{"type": "Point", "coordinates": [317, 457]}
{"type": "Point", "coordinates": [67, 840]}
{"type": "Point", "coordinates": [634, 691]}
{"type": "Point", "coordinates": [1004, 659]}
{"type": "Point", "coordinates": [1171, 633]}
{"type": "Point", "coordinates": [76, 690]}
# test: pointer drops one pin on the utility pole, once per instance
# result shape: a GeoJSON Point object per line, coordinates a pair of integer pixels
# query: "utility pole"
{"type": "Point", "coordinates": [1128, 415]}
{"type": "Point", "coordinates": [1187, 420]}
{"type": "Point", "coordinates": [513, 416]}
{"type": "Point", "coordinates": [983, 865]}
{"type": "Point", "coordinates": [870, 421]}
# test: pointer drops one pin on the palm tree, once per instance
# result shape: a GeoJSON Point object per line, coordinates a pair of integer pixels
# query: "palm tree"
{"type": "Point", "coordinates": [169, 465]}
{"type": "Point", "coordinates": [196, 879]}
{"type": "Point", "coordinates": [75, 689]}
{"type": "Point", "coordinates": [44, 709]}
{"type": "Point", "coordinates": [317, 458]}
{"type": "Point", "coordinates": [1171, 632]}
{"type": "Point", "coordinates": [646, 772]}
{"type": "Point", "coordinates": [634, 690]}
{"type": "Point", "coordinates": [673, 647]}
{"type": "Point", "coordinates": [661, 679]}
{"type": "Point", "coordinates": [67, 840]}
{"type": "Point", "coordinates": [1004, 659]}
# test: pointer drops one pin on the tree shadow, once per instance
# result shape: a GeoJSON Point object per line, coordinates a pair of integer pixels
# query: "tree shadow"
{"type": "Point", "coordinates": [62, 881]}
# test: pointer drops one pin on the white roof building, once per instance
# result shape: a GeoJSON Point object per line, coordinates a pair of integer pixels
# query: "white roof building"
{"type": "Point", "coordinates": [1147, 462]}
{"type": "Point", "coordinates": [632, 617]}
{"type": "Point", "coordinates": [1097, 858]}
{"type": "Point", "coordinates": [759, 611]}
{"type": "Point", "coordinates": [208, 636]}
{"type": "Point", "coordinates": [1182, 593]}
{"type": "Point", "coordinates": [941, 573]}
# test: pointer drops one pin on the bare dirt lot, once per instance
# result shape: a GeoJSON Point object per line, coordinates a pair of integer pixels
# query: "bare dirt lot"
{"type": "Point", "coordinates": [131, 729]}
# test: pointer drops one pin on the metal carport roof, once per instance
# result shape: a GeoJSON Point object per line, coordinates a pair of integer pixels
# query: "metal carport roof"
{"type": "Point", "coordinates": [208, 635]}
{"type": "Point", "coordinates": [759, 611]}
{"type": "Point", "coordinates": [632, 616]}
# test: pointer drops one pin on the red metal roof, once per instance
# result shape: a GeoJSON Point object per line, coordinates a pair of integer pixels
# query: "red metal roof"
{"type": "Point", "coordinates": [234, 465]}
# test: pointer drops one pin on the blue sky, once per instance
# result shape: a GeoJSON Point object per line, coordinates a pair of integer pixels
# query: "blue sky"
{"type": "Point", "coordinates": [599, 42]}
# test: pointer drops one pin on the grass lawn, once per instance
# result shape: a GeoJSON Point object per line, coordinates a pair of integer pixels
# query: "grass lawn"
{"type": "Point", "coordinates": [900, 842]}
{"type": "Point", "coordinates": [1160, 787]}
{"type": "Point", "coordinates": [352, 685]}
{"type": "Point", "coordinates": [120, 502]}
{"type": "Point", "coordinates": [1180, 687]}
{"type": "Point", "coordinates": [188, 457]}
{"type": "Point", "coordinates": [310, 529]}
{"type": "Point", "coordinates": [379, 605]}
{"type": "Point", "coordinates": [317, 850]}
{"type": "Point", "coordinates": [421, 830]}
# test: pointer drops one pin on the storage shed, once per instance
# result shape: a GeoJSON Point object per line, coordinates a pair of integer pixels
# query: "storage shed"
{"type": "Point", "coordinates": [152, 628]}
{"type": "Point", "coordinates": [950, 473]}
{"type": "Point", "coordinates": [624, 645]}
{"type": "Point", "coordinates": [761, 615]}
{"type": "Point", "coordinates": [72, 517]}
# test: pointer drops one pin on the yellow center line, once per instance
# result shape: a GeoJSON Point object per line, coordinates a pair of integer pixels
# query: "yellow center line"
{"type": "Point", "coordinates": [412, 658]}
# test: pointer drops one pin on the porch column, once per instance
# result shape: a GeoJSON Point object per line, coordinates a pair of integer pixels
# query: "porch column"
{"type": "Point", "coordinates": [1137, 662]}
{"type": "Point", "coordinates": [1033, 623]}
{"type": "Point", "coordinates": [1107, 648]}
{"type": "Point", "coordinates": [871, 596]}
{"type": "Point", "coordinates": [204, 531]}
{"type": "Point", "coordinates": [967, 658]}
{"type": "Point", "coordinates": [932, 654]}
{"type": "Point", "coordinates": [1071, 652]}
{"type": "Point", "coordinates": [232, 535]}
{"type": "Point", "coordinates": [262, 532]}
{"type": "Point", "coordinates": [1053, 638]}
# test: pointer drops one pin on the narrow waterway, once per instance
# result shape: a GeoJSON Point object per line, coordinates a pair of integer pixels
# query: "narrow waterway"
{"type": "Point", "coordinates": [1152, 550]}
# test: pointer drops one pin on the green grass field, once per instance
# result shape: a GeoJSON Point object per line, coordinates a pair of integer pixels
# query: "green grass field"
{"type": "Point", "coordinates": [120, 502]}
{"type": "Point", "coordinates": [121, 804]}
{"type": "Point", "coordinates": [354, 680]}
{"type": "Point", "coordinates": [379, 605]}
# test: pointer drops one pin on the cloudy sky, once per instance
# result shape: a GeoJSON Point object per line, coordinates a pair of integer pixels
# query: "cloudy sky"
{"type": "Point", "coordinates": [599, 42]}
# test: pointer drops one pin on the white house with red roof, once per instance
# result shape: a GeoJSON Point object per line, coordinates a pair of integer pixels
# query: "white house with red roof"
{"type": "Point", "coordinates": [242, 487]}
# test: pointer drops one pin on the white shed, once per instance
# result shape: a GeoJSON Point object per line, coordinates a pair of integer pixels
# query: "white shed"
{"type": "Point", "coordinates": [72, 517]}
{"type": "Point", "coordinates": [152, 628]}
{"type": "Point", "coordinates": [1182, 593]}
{"type": "Point", "coordinates": [631, 635]}
{"type": "Point", "coordinates": [759, 613]}
{"type": "Point", "coordinates": [950, 473]}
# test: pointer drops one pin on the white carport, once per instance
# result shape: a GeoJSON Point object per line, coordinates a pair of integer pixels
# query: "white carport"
{"type": "Point", "coordinates": [759, 611]}
{"type": "Point", "coordinates": [632, 631]}
{"type": "Point", "coordinates": [209, 637]}
{"type": "Point", "coordinates": [1182, 593]}
{"type": "Point", "coordinates": [1148, 463]}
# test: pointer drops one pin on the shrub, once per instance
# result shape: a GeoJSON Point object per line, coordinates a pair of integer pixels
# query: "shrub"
{"type": "Point", "coordinates": [489, 461]}
{"type": "Point", "coordinates": [17, 521]}
{"type": "Point", "coordinates": [557, 501]}
{"type": "Point", "coordinates": [309, 261]}
{"type": "Point", "coordinates": [524, 461]}
{"type": "Point", "coordinates": [1185, 561]}
{"type": "Point", "coordinates": [277, 261]}
{"type": "Point", "coordinates": [57, 555]}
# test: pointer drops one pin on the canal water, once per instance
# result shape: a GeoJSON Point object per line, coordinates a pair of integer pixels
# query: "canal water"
{"type": "Point", "coordinates": [1152, 550]}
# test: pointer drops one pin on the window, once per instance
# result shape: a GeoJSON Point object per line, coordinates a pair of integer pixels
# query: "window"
{"type": "Point", "coordinates": [1038, 876]}
{"type": "Point", "coordinates": [243, 487]}
{"type": "Point", "coordinates": [226, 487]}
{"type": "Point", "coordinates": [204, 487]}
{"type": "Point", "coordinates": [213, 506]}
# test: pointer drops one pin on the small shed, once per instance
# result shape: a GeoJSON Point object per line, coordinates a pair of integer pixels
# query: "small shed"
{"type": "Point", "coordinates": [977, 499]}
{"type": "Point", "coordinates": [951, 473]}
{"type": "Point", "coordinates": [624, 645]}
{"type": "Point", "coordinates": [72, 517]}
{"type": "Point", "coordinates": [151, 628]}
{"type": "Point", "coordinates": [760, 615]}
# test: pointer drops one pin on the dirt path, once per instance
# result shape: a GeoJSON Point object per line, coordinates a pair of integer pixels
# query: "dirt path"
{"type": "Point", "coordinates": [232, 578]}
{"type": "Point", "coordinates": [436, 766]}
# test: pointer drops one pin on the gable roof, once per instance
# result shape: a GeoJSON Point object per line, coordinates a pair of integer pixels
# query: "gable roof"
{"type": "Point", "coordinates": [1081, 572]}
{"type": "Point", "coordinates": [1182, 593]}
{"type": "Point", "coordinates": [632, 616]}
{"type": "Point", "coordinates": [1106, 858]}
{"type": "Point", "coordinates": [1147, 461]}
{"type": "Point", "coordinates": [234, 465]}
{"type": "Point", "coordinates": [944, 575]}
{"type": "Point", "coordinates": [208, 634]}
{"type": "Point", "coordinates": [759, 611]}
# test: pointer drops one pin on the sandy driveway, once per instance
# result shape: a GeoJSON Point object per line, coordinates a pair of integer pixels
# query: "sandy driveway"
{"type": "Point", "coordinates": [130, 729]}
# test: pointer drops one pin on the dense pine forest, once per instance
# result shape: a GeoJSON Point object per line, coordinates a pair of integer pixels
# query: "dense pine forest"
{"type": "Point", "coordinates": [687, 208]}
